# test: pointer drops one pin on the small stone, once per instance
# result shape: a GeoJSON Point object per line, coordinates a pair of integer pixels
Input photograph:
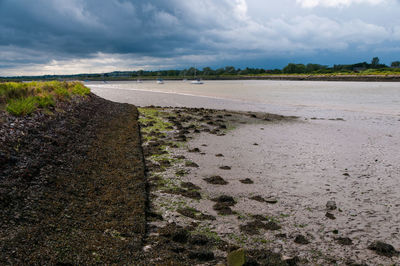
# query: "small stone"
{"type": "Point", "coordinates": [300, 239]}
{"type": "Point", "coordinates": [331, 205]}
{"type": "Point", "coordinates": [271, 200]}
{"type": "Point", "coordinates": [330, 216]}
{"type": "Point", "coordinates": [225, 167]}
{"type": "Point", "coordinates": [219, 155]}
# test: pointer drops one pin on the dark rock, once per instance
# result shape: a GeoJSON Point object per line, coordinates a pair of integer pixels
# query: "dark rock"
{"type": "Point", "coordinates": [181, 172]}
{"type": "Point", "coordinates": [228, 200]}
{"type": "Point", "coordinates": [293, 261]}
{"type": "Point", "coordinates": [190, 185]}
{"type": "Point", "coordinates": [222, 208]}
{"type": "Point", "coordinates": [199, 240]}
{"type": "Point", "coordinates": [383, 249]}
{"type": "Point", "coordinates": [300, 239]}
{"type": "Point", "coordinates": [225, 167]}
{"type": "Point", "coordinates": [330, 216]}
{"type": "Point", "coordinates": [201, 255]}
{"type": "Point", "coordinates": [194, 150]}
{"type": "Point", "coordinates": [175, 232]}
{"type": "Point", "coordinates": [345, 241]}
{"type": "Point", "coordinates": [258, 198]}
{"type": "Point", "coordinates": [246, 181]}
{"type": "Point", "coordinates": [331, 205]}
{"type": "Point", "coordinates": [193, 194]}
{"type": "Point", "coordinates": [219, 155]}
{"type": "Point", "coordinates": [195, 214]}
{"type": "Point", "coordinates": [272, 226]}
{"type": "Point", "coordinates": [191, 164]}
{"type": "Point", "coordinates": [215, 180]}
{"type": "Point", "coordinates": [251, 228]}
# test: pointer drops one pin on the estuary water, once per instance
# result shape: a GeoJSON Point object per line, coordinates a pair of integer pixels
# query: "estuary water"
{"type": "Point", "coordinates": [285, 97]}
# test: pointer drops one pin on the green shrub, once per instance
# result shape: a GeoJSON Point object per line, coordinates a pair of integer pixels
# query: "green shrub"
{"type": "Point", "coordinates": [23, 106]}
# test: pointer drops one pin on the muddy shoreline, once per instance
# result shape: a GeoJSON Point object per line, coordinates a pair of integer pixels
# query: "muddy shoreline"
{"type": "Point", "coordinates": [72, 185]}
{"type": "Point", "coordinates": [214, 174]}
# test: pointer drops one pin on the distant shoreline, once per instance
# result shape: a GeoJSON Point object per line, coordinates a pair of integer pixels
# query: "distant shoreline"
{"type": "Point", "coordinates": [359, 78]}
{"type": "Point", "coordinates": [298, 77]}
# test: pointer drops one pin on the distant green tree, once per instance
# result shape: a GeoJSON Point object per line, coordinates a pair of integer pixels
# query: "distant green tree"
{"type": "Point", "coordinates": [207, 71]}
{"type": "Point", "coordinates": [294, 69]}
{"type": "Point", "coordinates": [375, 62]}
{"type": "Point", "coordinates": [219, 71]}
{"type": "Point", "coordinates": [395, 64]}
{"type": "Point", "coordinates": [314, 67]}
{"type": "Point", "coordinates": [230, 70]}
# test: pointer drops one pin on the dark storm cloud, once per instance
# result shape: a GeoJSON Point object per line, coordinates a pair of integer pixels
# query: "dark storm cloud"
{"type": "Point", "coordinates": [55, 35]}
{"type": "Point", "coordinates": [83, 27]}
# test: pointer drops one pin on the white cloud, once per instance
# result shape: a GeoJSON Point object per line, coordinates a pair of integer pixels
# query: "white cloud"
{"type": "Point", "coordinates": [336, 3]}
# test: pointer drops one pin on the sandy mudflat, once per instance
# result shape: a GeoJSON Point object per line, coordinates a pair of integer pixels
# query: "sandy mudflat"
{"type": "Point", "coordinates": [327, 154]}
{"type": "Point", "coordinates": [304, 165]}
{"type": "Point", "coordinates": [300, 164]}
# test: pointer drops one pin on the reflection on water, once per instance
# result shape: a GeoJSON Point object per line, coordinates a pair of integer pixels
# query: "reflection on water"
{"type": "Point", "coordinates": [371, 97]}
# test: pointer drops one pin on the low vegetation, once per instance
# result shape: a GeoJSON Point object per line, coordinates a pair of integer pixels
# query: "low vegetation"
{"type": "Point", "coordinates": [19, 98]}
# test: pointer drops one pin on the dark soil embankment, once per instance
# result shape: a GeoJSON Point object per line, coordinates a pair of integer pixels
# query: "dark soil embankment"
{"type": "Point", "coordinates": [72, 185]}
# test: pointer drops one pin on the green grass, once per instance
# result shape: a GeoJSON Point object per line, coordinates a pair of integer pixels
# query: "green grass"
{"type": "Point", "coordinates": [19, 98]}
{"type": "Point", "coordinates": [23, 106]}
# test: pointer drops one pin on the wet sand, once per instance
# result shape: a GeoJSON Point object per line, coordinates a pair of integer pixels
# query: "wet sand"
{"type": "Point", "coordinates": [326, 155]}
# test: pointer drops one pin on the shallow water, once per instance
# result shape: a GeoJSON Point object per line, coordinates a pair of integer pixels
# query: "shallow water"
{"type": "Point", "coordinates": [264, 95]}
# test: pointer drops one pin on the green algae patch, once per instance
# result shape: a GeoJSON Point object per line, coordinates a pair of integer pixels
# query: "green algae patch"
{"type": "Point", "coordinates": [153, 119]}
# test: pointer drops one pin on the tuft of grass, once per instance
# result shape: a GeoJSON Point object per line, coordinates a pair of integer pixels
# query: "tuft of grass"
{"type": "Point", "coordinates": [23, 106]}
{"type": "Point", "coordinates": [45, 101]}
{"type": "Point", "coordinates": [81, 90]}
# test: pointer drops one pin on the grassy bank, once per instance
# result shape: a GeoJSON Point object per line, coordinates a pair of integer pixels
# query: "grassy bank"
{"type": "Point", "coordinates": [24, 98]}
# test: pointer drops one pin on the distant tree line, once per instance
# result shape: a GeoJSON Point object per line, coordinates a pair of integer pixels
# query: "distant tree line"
{"type": "Point", "coordinates": [291, 68]}
{"type": "Point", "coordinates": [353, 68]}
{"type": "Point", "coordinates": [207, 72]}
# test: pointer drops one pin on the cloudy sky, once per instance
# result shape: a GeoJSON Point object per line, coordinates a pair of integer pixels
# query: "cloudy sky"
{"type": "Point", "coordinates": [75, 36]}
